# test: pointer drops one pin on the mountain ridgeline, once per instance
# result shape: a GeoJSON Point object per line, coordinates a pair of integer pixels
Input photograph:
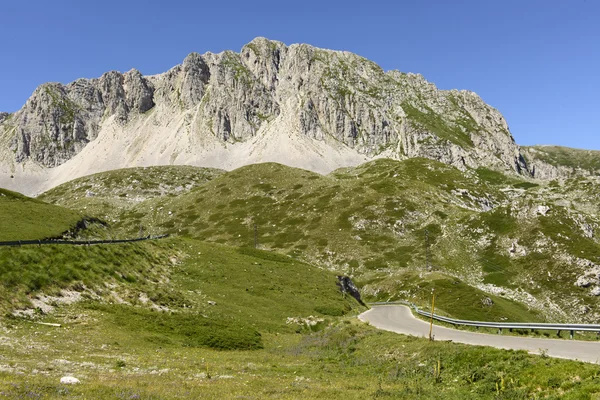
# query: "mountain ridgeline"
{"type": "Point", "coordinates": [300, 105]}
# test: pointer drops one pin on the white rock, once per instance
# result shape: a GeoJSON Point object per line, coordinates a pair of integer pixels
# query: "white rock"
{"type": "Point", "coordinates": [69, 380]}
{"type": "Point", "coordinates": [543, 210]}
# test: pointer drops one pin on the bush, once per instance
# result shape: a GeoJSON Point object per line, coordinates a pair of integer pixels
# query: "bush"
{"type": "Point", "coordinates": [187, 329]}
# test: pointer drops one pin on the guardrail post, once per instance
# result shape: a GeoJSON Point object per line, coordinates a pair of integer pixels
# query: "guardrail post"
{"type": "Point", "coordinates": [499, 331]}
{"type": "Point", "coordinates": [558, 333]}
{"type": "Point", "coordinates": [432, 311]}
{"type": "Point", "coordinates": [572, 334]}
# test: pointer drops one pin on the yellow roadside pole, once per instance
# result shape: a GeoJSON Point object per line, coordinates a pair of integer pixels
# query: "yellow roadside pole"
{"type": "Point", "coordinates": [432, 310]}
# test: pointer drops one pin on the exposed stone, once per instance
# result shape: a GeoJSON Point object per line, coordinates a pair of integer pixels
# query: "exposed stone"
{"type": "Point", "coordinates": [139, 92]}
{"type": "Point", "coordinates": [487, 302]}
{"type": "Point", "coordinates": [584, 309]}
{"type": "Point", "coordinates": [586, 227]}
{"type": "Point", "coordinates": [591, 275]}
{"type": "Point", "coordinates": [319, 94]}
{"type": "Point", "coordinates": [308, 321]}
{"type": "Point", "coordinates": [69, 380]}
{"type": "Point", "coordinates": [588, 230]}
{"type": "Point", "coordinates": [517, 250]}
{"type": "Point", "coordinates": [543, 210]}
{"type": "Point", "coordinates": [555, 162]}
{"type": "Point", "coordinates": [196, 75]}
{"type": "Point", "coordinates": [347, 286]}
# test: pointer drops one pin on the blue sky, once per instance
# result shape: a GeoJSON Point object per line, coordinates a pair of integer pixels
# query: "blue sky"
{"type": "Point", "coordinates": [538, 62]}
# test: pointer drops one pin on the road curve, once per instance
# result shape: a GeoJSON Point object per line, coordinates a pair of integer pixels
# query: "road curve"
{"type": "Point", "coordinates": [399, 319]}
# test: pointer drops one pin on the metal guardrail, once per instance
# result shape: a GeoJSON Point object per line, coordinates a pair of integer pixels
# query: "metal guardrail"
{"type": "Point", "coordinates": [498, 325]}
{"type": "Point", "coordinates": [77, 242]}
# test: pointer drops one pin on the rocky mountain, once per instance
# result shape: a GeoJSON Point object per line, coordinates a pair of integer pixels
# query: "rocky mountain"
{"type": "Point", "coordinates": [551, 162]}
{"type": "Point", "coordinates": [299, 105]}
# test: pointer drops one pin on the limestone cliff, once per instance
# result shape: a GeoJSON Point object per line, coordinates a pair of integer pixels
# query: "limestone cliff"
{"type": "Point", "coordinates": [552, 162]}
{"type": "Point", "coordinates": [331, 101]}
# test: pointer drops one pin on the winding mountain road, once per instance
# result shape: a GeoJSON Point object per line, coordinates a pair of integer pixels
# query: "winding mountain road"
{"type": "Point", "coordinates": [399, 319]}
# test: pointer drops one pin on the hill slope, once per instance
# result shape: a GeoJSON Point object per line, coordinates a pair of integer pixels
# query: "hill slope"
{"type": "Point", "coordinates": [253, 289]}
{"type": "Point", "coordinates": [179, 318]}
{"type": "Point", "coordinates": [499, 235]}
{"type": "Point", "coordinates": [226, 334]}
{"type": "Point", "coordinates": [24, 218]}
{"type": "Point", "coordinates": [550, 162]}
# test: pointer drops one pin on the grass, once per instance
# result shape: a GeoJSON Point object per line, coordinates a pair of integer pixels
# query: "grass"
{"type": "Point", "coordinates": [186, 329]}
{"type": "Point", "coordinates": [144, 182]}
{"type": "Point", "coordinates": [183, 318]}
{"type": "Point", "coordinates": [199, 282]}
{"type": "Point", "coordinates": [29, 270]}
{"type": "Point", "coordinates": [344, 360]}
{"type": "Point", "coordinates": [114, 194]}
{"type": "Point", "coordinates": [261, 288]}
{"type": "Point", "coordinates": [453, 297]}
{"type": "Point", "coordinates": [370, 221]}
{"type": "Point", "coordinates": [432, 122]}
{"type": "Point", "coordinates": [24, 218]}
{"type": "Point", "coordinates": [566, 157]}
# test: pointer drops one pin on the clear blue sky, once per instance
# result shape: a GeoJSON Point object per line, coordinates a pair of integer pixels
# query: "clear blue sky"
{"type": "Point", "coordinates": [538, 62]}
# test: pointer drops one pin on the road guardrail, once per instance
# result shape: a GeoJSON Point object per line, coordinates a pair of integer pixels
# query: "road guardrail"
{"type": "Point", "coordinates": [78, 242]}
{"type": "Point", "coordinates": [498, 325]}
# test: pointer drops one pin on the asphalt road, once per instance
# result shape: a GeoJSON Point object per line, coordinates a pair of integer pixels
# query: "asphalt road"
{"type": "Point", "coordinates": [399, 319]}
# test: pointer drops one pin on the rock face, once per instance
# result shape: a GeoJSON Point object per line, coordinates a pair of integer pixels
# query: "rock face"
{"type": "Point", "coordinates": [58, 121]}
{"type": "Point", "coordinates": [555, 162]}
{"type": "Point", "coordinates": [319, 95]}
{"type": "Point", "coordinates": [347, 286]}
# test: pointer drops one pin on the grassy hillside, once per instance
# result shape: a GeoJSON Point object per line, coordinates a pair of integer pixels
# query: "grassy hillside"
{"type": "Point", "coordinates": [588, 160]}
{"type": "Point", "coordinates": [252, 289]}
{"type": "Point", "coordinates": [205, 314]}
{"type": "Point", "coordinates": [107, 194]}
{"type": "Point", "coordinates": [523, 241]}
{"type": "Point", "coordinates": [344, 360]}
{"type": "Point", "coordinates": [300, 212]}
{"type": "Point", "coordinates": [196, 319]}
{"type": "Point", "coordinates": [24, 218]}
{"type": "Point", "coordinates": [30, 270]}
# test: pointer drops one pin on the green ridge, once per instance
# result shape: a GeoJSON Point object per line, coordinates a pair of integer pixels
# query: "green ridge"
{"type": "Point", "coordinates": [24, 218]}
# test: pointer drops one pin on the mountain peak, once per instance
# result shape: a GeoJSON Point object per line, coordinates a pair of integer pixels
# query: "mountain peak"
{"type": "Point", "coordinates": [312, 108]}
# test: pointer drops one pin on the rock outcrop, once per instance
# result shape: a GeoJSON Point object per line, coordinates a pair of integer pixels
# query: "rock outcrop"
{"type": "Point", "coordinates": [347, 286]}
{"type": "Point", "coordinates": [59, 120]}
{"type": "Point", "coordinates": [555, 162]}
{"type": "Point", "coordinates": [333, 97]}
